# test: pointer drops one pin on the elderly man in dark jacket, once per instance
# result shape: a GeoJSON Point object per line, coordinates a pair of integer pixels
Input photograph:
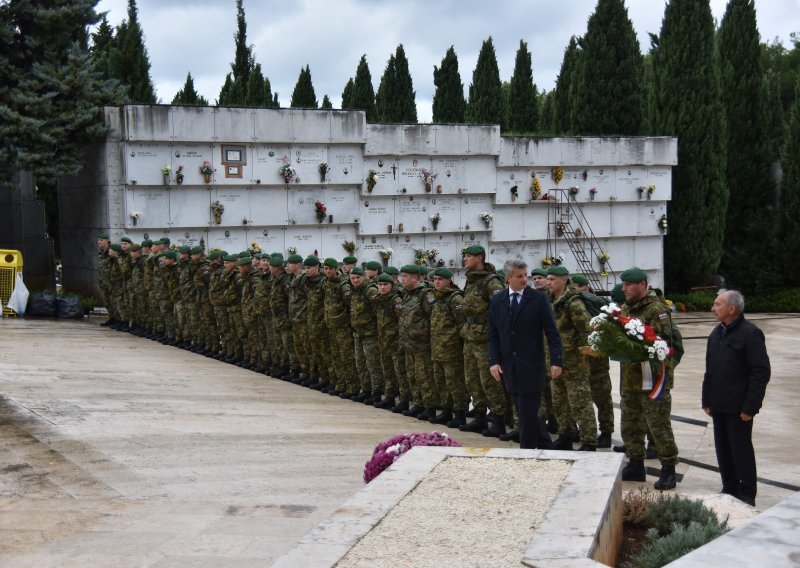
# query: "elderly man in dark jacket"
{"type": "Point", "coordinates": [519, 320]}
{"type": "Point", "coordinates": [736, 377]}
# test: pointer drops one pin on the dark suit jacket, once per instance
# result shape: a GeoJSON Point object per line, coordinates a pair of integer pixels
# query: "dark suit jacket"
{"type": "Point", "coordinates": [517, 343]}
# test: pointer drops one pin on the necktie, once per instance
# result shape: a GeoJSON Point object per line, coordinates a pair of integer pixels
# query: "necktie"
{"type": "Point", "coordinates": [514, 302]}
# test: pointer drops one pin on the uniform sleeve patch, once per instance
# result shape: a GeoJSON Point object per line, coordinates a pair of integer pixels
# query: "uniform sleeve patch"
{"type": "Point", "coordinates": [348, 293]}
{"type": "Point", "coordinates": [662, 316]}
{"type": "Point", "coordinates": [457, 306]}
{"type": "Point", "coordinates": [496, 291]}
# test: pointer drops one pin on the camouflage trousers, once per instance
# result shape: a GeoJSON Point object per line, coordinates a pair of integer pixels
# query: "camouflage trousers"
{"type": "Point", "coordinates": [343, 353]}
{"type": "Point", "coordinates": [419, 370]}
{"type": "Point", "coordinates": [156, 321]}
{"type": "Point", "coordinates": [449, 379]}
{"type": "Point", "coordinates": [282, 332]}
{"type": "Point", "coordinates": [393, 364]}
{"type": "Point", "coordinates": [268, 346]}
{"type": "Point", "coordinates": [321, 361]}
{"type": "Point", "coordinates": [572, 399]}
{"type": "Point", "coordinates": [179, 316]}
{"type": "Point", "coordinates": [224, 329]}
{"type": "Point", "coordinates": [208, 327]}
{"type": "Point", "coordinates": [640, 413]}
{"type": "Point", "coordinates": [600, 384]}
{"type": "Point", "coordinates": [195, 330]}
{"type": "Point", "coordinates": [165, 308]}
{"type": "Point", "coordinates": [301, 345]}
{"type": "Point", "coordinates": [142, 315]}
{"type": "Point", "coordinates": [249, 338]}
{"type": "Point", "coordinates": [236, 330]}
{"type": "Point", "coordinates": [484, 390]}
{"type": "Point", "coordinates": [368, 363]}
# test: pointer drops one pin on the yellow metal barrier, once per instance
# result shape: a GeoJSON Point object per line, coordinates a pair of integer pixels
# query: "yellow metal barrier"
{"type": "Point", "coordinates": [10, 265]}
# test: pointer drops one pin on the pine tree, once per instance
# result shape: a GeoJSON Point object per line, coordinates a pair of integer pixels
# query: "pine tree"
{"type": "Point", "coordinates": [748, 226]}
{"type": "Point", "coordinates": [42, 52]}
{"type": "Point", "coordinates": [387, 92]}
{"type": "Point", "coordinates": [363, 97]}
{"type": "Point", "coordinates": [326, 103]}
{"type": "Point", "coordinates": [449, 105]}
{"type": "Point", "coordinates": [303, 95]}
{"type": "Point", "coordinates": [523, 103]}
{"type": "Point", "coordinates": [562, 107]}
{"type": "Point", "coordinates": [188, 95]}
{"type": "Point", "coordinates": [687, 102]}
{"type": "Point", "coordinates": [485, 96]}
{"type": "Point", "coordinates": [609, 100]}
{"type": "Point", "coordinates": [790, 198]}
{"type": "Point", "coordinates": [347, 95]}
{"type": "Point", "coordinates": [129, 62]}
{"type": "Point", "coordinates": [405, 104]}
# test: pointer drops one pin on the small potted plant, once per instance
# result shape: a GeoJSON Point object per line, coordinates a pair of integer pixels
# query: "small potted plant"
{"type": "Point", "coordinates": [514, 193]}
{"type": "Point", "coordinates": [217, 209]}
{"type": "Point", "coordinates": [372, 180]}
{"type": "Point", "coordinates": [536, 188]}
{"type": "Point", "coordinates": [349, 246]}
{"type": "Point", "coordinates": [206, 170]}
{"type": "Point", "coordinates": [179, 175]}
{"type": "Point", "coordinates": [592, 193]}
{"type": "Point", "coordinates": [603, 259]}
{"type": "Point", "coordinates": [165, 173]}
{"type": "Point", "coordinates": [662, 224]}
{"type": "Point", "coordinates": [650, 189]}
{"type": "Point", "coordinates": [427, 178]}
{"type": "Point", "coordinates": [557, 174]}
{"type": "Point", "coordinates": [574, 191]}
{"type": "Point", "coordinates": [320, 211]}
{"type": "Point", "coordinates": [135, 217]}
{"type": "Point", "coordinates": [292, 250]}
{"type": "Point", "coordinates": [486, 217]}
{"type": "Point", "coordinates": [435, 221]}
{"type": "Point", "coordinates": [431, 256]}
{"type": "Point", "coordinates": [323, 171]}
{"type": "Point", "coordinates": [286, 171]}
{"type": "Point", "coordinates": [641, 189]}
{"type": "Point", "coordinates": [386, 254]}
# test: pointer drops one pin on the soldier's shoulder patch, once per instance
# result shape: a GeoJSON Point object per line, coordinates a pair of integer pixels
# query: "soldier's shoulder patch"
{"type": "Point", "coordinates": [496, 291]}
{"type": "Point", "coordinates": [431, 298]}
{"type": "Point", "coordinates": [457, 306]}
{"type": "Point", "coordinates": [663, 316]}
{"type": "Point", "coordinates": [348, 292]}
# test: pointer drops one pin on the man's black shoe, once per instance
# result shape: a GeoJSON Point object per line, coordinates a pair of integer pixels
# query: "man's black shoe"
{"type": "Point", "coordinates": [497, 428]}
{"type": "Point", "coordinates": [361, 397]}
{"type": "Point", "coordinates": [374, 399]}
{"type": "Point", "coordinates": [400, 407]}
{"type": "Point", "coordinates": [667, 478]}
{"type": "Point", "coordinates": [604, 440]}
{"type": "Point", "coordinates": [563, 443]}
{"type": "Point", "coordinates": [477, 425]}
{"type": "Point", "coordinates": [552, 425]}
{"type": "Point", "coordinates": [427, 414]}
{"type": "Point", "coordinates": [414, 411]}
{"type": "Point", "coordinates": [619, 449]}
{"type": "Point", "coordinates": [459, 419]}
{"type": "Point", "coordinates": [587, 448]}
{"type": "Point", "coordinates": [513, 435]}
{"type": "Point", "coordinates": [634, 471]}
{"type": "Point", "coordinates": [443, 417]}
{"type": "Point", "coordinates": [386, 403]}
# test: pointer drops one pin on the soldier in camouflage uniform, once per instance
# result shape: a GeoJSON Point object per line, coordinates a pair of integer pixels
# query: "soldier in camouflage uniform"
{"type": "Point", "coordinates": [281, 323]}
{"type": "Point", "coordinates": [114, 292]}
{"type": "Point", "coordinates": [639, 404]}
{"type": "Point", "coordinates": [125, 267]}
{"type": "Point", "coordinates": [321, 370]}
{"type": "Point", "coordinates": [482, 283]}
{"type": "Point", "coordinates": [365, 338]}
{"type": "Point", "coordinates": [447, 318]}
{"type": "Point", "coordinates": [201, 278]}
{"type": "Point", "coordinates": [298, 316]}
{"type": "Point", "coordinates": [255, 329]}
{"type": "Point", "coordinates": [384, 296]}
{"type": "Point", "coordinates": [225, 296]}
{"type": "Point", "coordinates": [572, 396]}
{"type": "Point", "coordinates": [415, 341]}
{"type": "Point", "coordinates": [264, 316]}
{"type": "Point", "coordinates": [216, 295]}
{"type": "Point", "coordinates": [168, 294]}
{"type": "Point", "coordinates": [546, 412]}
{"type": "Point", "coordinates": [102, 256]}
{"type": "Point", "coordinates": [248, 314]}
{"type": "Point", "coordinates": [337, 318]}
{"type": "Point", "coordinates": [159, 323]}
{"type": "Point", "coordinates": [149, 304]}
{"type": "Point", "coordinates": [180, 308]}
{"type": "Point", "coordinates": [134, 287]}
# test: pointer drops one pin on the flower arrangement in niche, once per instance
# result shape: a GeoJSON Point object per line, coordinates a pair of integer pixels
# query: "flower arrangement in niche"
{"type": "Point", "coordinates": [428, 177]}
{"type": "Point", "coordinates": [217, 209]}
{"type": "Point", "coordinates": [603, 259]}
{"type": "Point", "coordinates": [206, 170]}
{"type": "Point", "coordinates": [320, 211]}
{"type": "Point", "coordinates": [574, 191]}
{"type": "Point", "coordinates": [386, 253]}
{"type": "Point", "coordinates": [323, 171]}
{"type": "Point", "coordinates": [292, 250]}
{"type": "Point", "coordinates": [514, 193]}
{"type": "Point", "coordinates": [592, 193]}
{"type": "Point", "coordinates": [536, 188]}
{"type": "Point", "coordinates": [165, 170]}
{"type": "Point", "coordinates": [179, 174]}
{"type": "Point", "coordinates": [554, 260]}
{"type": "Point", "coordinates": [435, 221]}
{"type": "Point", "coordinates": [641, 189]}
{"type": "Point", "coordinates": [135, 216]}
{"type": "Point", "coordinates": [557, 174]}
{"type": "Point", "coordinates": [372, 180]}
{"type": "Point", "coordinates": [255, 248]}
{"type": "Point", "coordinates": [486, 217]}
{"type": "Point", "coordinates": [349, 246]}
{"type": "Point", "coordinates": [650, 189]}
{"type": "Point", "coordinates": [386, 453]}
{"type": "Point", "coordinates": [662, 224]}
{"type": "Point", "coordinates": [286, 170]}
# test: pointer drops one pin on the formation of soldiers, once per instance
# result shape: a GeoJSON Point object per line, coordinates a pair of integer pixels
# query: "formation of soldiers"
{"type": "Point", "coordinates": [408, 340]}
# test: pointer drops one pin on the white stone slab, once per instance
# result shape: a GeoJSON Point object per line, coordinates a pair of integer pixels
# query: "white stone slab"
{"type": "Point", "coordinates": [224, 173]}
{"type": "Point", "coordinates": [193, 124]}
{"type": "Point", "coordinates": [515, 179]}
{"type": "Point", "coordinates": [333, 237]}
{"type": "Point", "coordinates": [342, 204]}
{"type": "Point", "coordinates": [152, 203]}
{"type": "Point", "coordinates": [452, 140]}
{"type": "Point", "coordinates": [383, 140]}
{"type": "Point", "coordinates": [508, 223]}
{"type": "Point", "coordinates": [449, 210]}
{"type": "Point", "coordinates": [412, 213]}
{"type": "Point", "coordinates": [451, 172]}
{"type": "Point", "coordinates": [576, 151]}
{"type": "Point", "coordinates": [231, 239]}
{"type": "Point", "coordinates": [269, 206]}
{"type": "Point", "coordinates": [237, 206]}
{"type": "Point", "coordinates": [305, 239]}
{"type": "Point", "coordinates": [306, 159]}
{"type": "Point", "coordinates": [346, 163]}
{"type": "Point", "coordinates": [648, 253]}
{"type": "Point", "coordinates": [144, 161]}
{"type": "Point", "coordinates": [267, 160]}
{"type": "Point", "coordinates": [309, 125]}
{"type": "Point", "coordinates": [661, 177]}
{"type": "Point", "coordinates": [471, 208]}
{"type": "Point", "coordinates": [480, 175]}
{"type": "Point", "coordinates": [190, 237]}
{"type": "Point", "coordinates": [647, 217]}
{"type": "Point", "coordinates": [301, 204]}
{"type": "Point", "coordinates": [448, 246]}
{"type": "Point", "coordinates": [148, 123]}
{"type": "Point", "coordinates": [388, 174]}
{"type": "Point", "coordinates": [404, 248]}
{"type": "Point", "coordinates": [234, 125]}
{"type": "Point", "coordinates": [484, 140]}
{"type": "Point", "coordinates": [189, 206]}
{"type": "Point", "coordinates": [377, 215]}
{"type": "Point", "coordinates": [605, 151]}
{"type": "Point", "coordinates": [270, 239]}
{"type": "Point", "coordinates": [368, 248]}
{"type": "Point", "coordinates": [410, 174]}
{"type": "Point", "coordinates": [348, 126]}
{"type": "Point", "coordinates": [191, 156]}
{"type": "Point", "coordinates": [417, 139]}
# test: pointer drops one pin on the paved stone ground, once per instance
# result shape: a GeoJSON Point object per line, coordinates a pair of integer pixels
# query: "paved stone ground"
{"type": "Point", "coordinates": [117, 451]}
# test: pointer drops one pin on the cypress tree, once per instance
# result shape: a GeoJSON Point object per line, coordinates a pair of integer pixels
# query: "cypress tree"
{"type": "Point", "coordinates": [790, 198]}
{"type": "Point", "coordinates": [773, 115]}
{"type": "Point", "coordinates": [303, 95]}
{"type": "Point", "coordinates": [505, 94]}
{"type": "Point", "coordinates": [259, 93]}
{"type": "Point", "coordinates": [188, 96]}
{"type": "Point", "coordinates": [523, 103]}
{"type": "Point", "coordinates": [546, 103]}
{"type": "Point", "coordinates": [449, 105]}
{"type": "Point", "coordinates": [609, 96]}
{"type": "Point", "coordinates": [129, 62]}
{"type": "Point", "coordinates": [102, 45]}
{"type": "Point", "coordinates": [562, 108]}
{"type": "Point", "coordinates": [687, 103]}
{"type": "Point", "coordinates": [363, 97]}
{"type": "Point", "coordinates": [405, 104]}
{"type": "Point", "coordinates": [326, 103]}
{"type": "Point", "coordinates": [387, 92]}
{"type": "Point", "coordinates": [750, 207]}
{"type": "Point", "coordinates": [485, 92]}
{"type": "Point", "coordinates": [347, 95]}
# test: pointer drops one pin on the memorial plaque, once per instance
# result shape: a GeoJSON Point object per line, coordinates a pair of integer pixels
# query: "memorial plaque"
{"type": "Point", "coordinates": [598, 216]}
{"type": "Point", "coordinates": [306, 160]}
{"type": "Point", "coordinates": [533, 253]}
{"type": "Point", "coordinates": [449, 211]}
{"type": "Point", "coordinates": [471, 208]}
{"type": "Point", "coordinates": [451, 175]}
{"type": "Point", "coordinates": [191, 157]}
{"type": "Point", "coordinates": [346, 163]}
{"type": "Point", "coordinates": [513, 186]}
{"type": "Point", "coordinates": [629, 179]}
{"type": "Point", "coordinates": [235, 164]}
{"type": "Point", "coordinates": [623, 219]}
{"type": "Point", "coordinates": [448, 246]}
{"type": "Point", "coordinates": [404, 248]}
{"type": "Point", "coordinates": [189, 207]}
{"type": "Point", "coordinates": [535, 222]}
{"type": "Point", "coordinates": [412, 213]}
{"type": "Point", "coordinates": [509, 224]}
{"type": "Point", "coordinates": [605, 151]}
{"type": "Point", "coordinates": [342, 204]}
{"type": "Point", "coordinates": [648, 253]}
{"type": "Point", "coordinates": [311, 125]}
{"type": "Point", "coordinates": [144, 162]}
{"type": "Point", "coordinates": [411, 177]}
{"type": "Point", "coordinates": [369, 248]}
{"type": "Point", "coordinates": [233, 239]}
{"type": "Point", "coordinates": [661, 177]}
{"type": "Point", "coordinates": [269, 206]}
{"type": "Point", "coordinates": [480, 174]}
{"type": "Point", "coordinates": [604, 180]}
{"type": "Point", "coordinates": [647, 218]}
{"type": "Point", "coordinates": [237, 207]}
{"type": "Point", "coordinates": [192, 124]}
{"type": "Point", "coordinates": [273, 125]}
{"type": "Point", "coordinates": [377, 215]}
{"type": "Point", "coordinates": [270, 239]}
{"type": "Point", "coordinates": [302, 206]}
{"type": "Point", "coordinates": [333, 237]}
{"type": "Point", "coordinates": [388, 173]}
{"type": "Point", "coordinates": [194, 238]}
{"type": "Point", "coordinates": [267, 160]}
{"type": "Point", "coordinates": [622, 255]}
{"type": "Point", "coordinates": [305, 239]}
{"type": "Point", "coordinates": [151, 203]}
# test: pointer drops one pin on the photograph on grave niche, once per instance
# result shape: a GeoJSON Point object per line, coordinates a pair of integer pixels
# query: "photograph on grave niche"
{"type": "Point", "coordinates": [234, 157]}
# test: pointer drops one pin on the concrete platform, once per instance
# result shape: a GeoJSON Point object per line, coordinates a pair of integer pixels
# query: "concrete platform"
{"type": "Point", "coordinates": [115, 450]}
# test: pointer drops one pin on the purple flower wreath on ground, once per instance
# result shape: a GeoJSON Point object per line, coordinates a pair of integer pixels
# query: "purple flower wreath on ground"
{"type": "Point", "coordinates": [386, 453]}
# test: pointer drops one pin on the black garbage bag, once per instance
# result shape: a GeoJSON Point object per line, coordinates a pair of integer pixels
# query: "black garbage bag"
{"type": "Point", "coordinates": [70, 307]}
{"type": "Point", "coordinates": [42, 304]}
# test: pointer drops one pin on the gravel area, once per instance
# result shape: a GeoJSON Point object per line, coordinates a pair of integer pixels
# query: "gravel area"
{"type": "Point", "coordinates": [467, 512]}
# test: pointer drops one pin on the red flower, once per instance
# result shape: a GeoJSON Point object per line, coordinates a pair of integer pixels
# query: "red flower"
{"type": "Point", "coordinates": [623, 320]}
{"type": "Point", "coordinates": [649, 334]}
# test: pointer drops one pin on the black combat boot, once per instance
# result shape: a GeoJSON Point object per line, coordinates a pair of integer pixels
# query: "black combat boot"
{"type": "Point", "coordinates": [459, 419]}
{"type": "Point", "coordinates": [427, 414]}
{"type": "Point", "coordinates": [400, 407]}
{"type": "Point", "coordinates": [477, 425]}
{"type": "Point", "coordinates": [443, 418]}
{"type": "Point", "coordinates": [563, 443]}
{"type": "Point", "coordinates": [667, 478]}
{"type": "Point", "coordinates": [512, 435]}
{"type": "Point", "coordinates": [414, 411]}
{"type": "Point", "coordinates": [587, 448]}
{"type": "Point", "coordinates": [374, 399]}
{"type": "Point", "coordinates": [386, 404]}
{"type": "Point", "coordinates": [497, 429]}
{"type": "Point", "coordinates": [604, 440]}
{"type": "Point", "coordinates": [361, 397]}
{"type": "Point", "coordinates": [634, 471]}
{"type": "Point", "coordinates": [552, 425]}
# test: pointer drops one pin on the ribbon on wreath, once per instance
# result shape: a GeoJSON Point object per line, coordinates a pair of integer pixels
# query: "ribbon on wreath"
{"type": "Point", "coordinates": [654, 379]}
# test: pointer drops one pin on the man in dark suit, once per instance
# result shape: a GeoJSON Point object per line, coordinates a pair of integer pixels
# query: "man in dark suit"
{"type": "Point", "coordinates": [519, 320]}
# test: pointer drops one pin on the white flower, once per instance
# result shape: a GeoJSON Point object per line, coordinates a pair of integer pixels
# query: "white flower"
{"type": "Point", "coordinates": [594, 339]}
{"type": "Point", "coordinates": [610, 308]}
{"type": "Point", "coordinates": [597, 320]}
{"type": "Point", "coordinates": [393, 449]}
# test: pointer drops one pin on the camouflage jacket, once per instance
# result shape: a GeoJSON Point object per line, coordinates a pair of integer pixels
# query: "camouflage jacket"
{"type": "Point", "coordinates": [362, 313]}
{"type": "Point", "coordinates": [298, 299]}
{"type": "Point", "coordinates": [150, 264]}
{"type": "Point", "coordinates": [262, 292]}
{"type": "Point", "coordinates": [247, 283]}
{"type": "Point", "coordinates": [315, 299]}
{"type": "Point", "coordinates": [572, 319]}
{"type": "Point", "coordinates": [185, 281]}
{"type": "Point", "coordinates": [157, 280]}
{"type": "Point", "coordinates": [337, 305]}
{"type": "Point", "coordinates": [125, 264]}
{"type": "Point", "coordinates": [651, 311]}
{"type": "Point", "coordinates": [386, 317]}
{"type": "Point", "coordinates": [102, 257]}
{"type": "Point", "coordinates": [136, 280]}
{"type": "Point", "coordinates": [201, 278]}
{"type": "Point", "coordinates": [447, 318]}
{"type": "Point", "coordinates": [171, 283]}
{"type": "Point", "coordinates": [480, 287]}
{"type": "Point", "coordinates": [414, 321]}
{"type": "Point", "coordinates": [279, 298]}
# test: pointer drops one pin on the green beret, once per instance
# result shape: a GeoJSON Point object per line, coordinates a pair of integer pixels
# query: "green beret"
{"type": "Point", "coordinates": [244, 253]}
{"type": "Point", "coordinates": [358, 271]}
{"type": "Point", "coordinates": [116, 247]}
{"type": "Point", "coordinates": [245, 260]}
{"type": "Point", "coordinates": [633, 275]}
{"type": "Point", "coordinates": [500, 272]}
{"type": "Point", "coordinates": [349, 260]}
{"type": "Point", "coordinates": [558, 271]}
{"type": "Point", "coordinates": [385, 278]}
{"type": "Point", "coordinates": [231, 258]}
{"type": "Point", "coordinates": [185, 249]}
{"type": "Point", "coordinates": [196, 250]}
{"type": "Point", "coordinates": [126, 240]}
{"type": "Point", "coordinates": [538, 272]}
{"type": "Point", "coordinates": [136, 247]}
{"type": "Point", "coordinates": [616, 295]}
{"type": "Point", "coordinates": [258, 256]}
{"type": "Point", "coordinates": [294, 259]}
{"type": "Point", "coordinates": [443, 272]}
{"type": "Point", "coordinates": [147, 243]}
{"type": "Point", "coordinates": [409, 269]}
{"type": "Point", "coordinates": [214, 255]}
{"type": "Point", "coordinates": [103, 236]}
{"type": "Point", "coordinates": [373, 265]}
{"type": "Point", "coordinates": [276, 260]}
{"type": "Point", "coordinates": [475, 249]}
{"type": "Point", "coordinates": [171, 254]}
{"type": "Point", "coordinates": [331, 262]}
{"type": "Point", "coordinates": [391, 270]}
{"type": "Point", "coordinates": [580, 279]}
{"type": "Point", "coordinates": [165, 241]}
{"type": "Point", "coordinates": [311, 261]}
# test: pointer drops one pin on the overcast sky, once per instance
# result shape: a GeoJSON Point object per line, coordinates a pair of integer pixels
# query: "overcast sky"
{"type": "Point", "coordinates": [331, 35]}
